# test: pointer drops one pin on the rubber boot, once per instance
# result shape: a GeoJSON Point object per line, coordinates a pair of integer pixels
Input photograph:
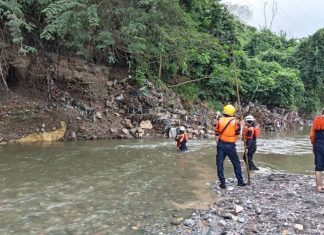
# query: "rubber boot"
{"type": "Point", "coordinates": [252, 166]}
{"type": "Point", "coordinates": [222, 186]}
{"type": "Point", "coordinates": [319, 181]}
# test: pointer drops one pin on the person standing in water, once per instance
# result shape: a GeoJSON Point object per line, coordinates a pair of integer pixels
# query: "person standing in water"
{"type": "Point", "coordinates": [317, 140]}
{"type": "Point", "coordinates": [227, 130]}
{"type": "Point", "coordinates": [181, 139]}
{"type": "Point", "coordinates": [250, 134]}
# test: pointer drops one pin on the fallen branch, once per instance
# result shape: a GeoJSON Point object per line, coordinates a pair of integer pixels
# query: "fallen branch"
{"type": "Point", "coordinates": [186, 82]}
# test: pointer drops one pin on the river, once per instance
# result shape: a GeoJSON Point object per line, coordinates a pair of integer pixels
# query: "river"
{"type": "Point", "coordinates": [122, 186]}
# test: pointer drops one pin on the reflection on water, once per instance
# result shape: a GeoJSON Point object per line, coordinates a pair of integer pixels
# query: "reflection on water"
{"type": "Point", "coordinates": [120, 187]}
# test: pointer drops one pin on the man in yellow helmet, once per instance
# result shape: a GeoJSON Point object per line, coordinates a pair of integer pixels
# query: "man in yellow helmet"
{"type": "Point", "coordinates": [227, 129]}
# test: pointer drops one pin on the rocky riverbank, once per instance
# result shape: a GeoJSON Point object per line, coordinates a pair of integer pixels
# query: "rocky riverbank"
{"type": "Point", "coordinates": [100, 102]}
{"type": "Point", "coordinates": [274, 203]}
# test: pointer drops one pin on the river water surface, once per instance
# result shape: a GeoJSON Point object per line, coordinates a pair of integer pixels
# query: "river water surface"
{"type": "Point", "coordinates": [122, 187]}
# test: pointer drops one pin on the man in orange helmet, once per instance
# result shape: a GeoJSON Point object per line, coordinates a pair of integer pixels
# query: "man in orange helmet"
{"type": "Point", "coordinates": [317, 139]}
{"type": "Point", "coordinates": [227, 129]}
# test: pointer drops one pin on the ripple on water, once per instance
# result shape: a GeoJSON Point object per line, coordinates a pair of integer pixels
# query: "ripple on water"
{"type": "Point", "coordinates": [113, 187]}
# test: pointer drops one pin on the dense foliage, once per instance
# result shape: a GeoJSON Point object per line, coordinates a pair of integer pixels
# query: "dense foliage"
{"type": "Point", "coordinates": [310, 61]}
{"type": "Point", "coordinates": [173, 42]}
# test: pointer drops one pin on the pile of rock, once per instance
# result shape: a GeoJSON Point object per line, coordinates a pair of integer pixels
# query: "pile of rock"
{"type": "Point", "coordinates": [276, 119]}
{"type": "Point", "coordinates": [273, 204]}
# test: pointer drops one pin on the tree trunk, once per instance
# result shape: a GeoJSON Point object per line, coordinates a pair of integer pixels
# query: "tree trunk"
{"type": "Point", "coordinates": [160, 67]}
{"type": "Point", "coordinates": [3, 79]}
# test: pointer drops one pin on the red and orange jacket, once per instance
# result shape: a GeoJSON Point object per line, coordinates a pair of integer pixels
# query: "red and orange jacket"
{"type": "Point", "coordinates": [317, 130]}
{"type": "Point", "coordinates": [181, 138]}
{"type": "Point", "coordinates": [251, 132]}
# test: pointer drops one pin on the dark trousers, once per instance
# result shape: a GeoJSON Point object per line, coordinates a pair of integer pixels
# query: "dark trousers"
{"type": "Point", "coordinates": [251, 149]}
{"type": "Point", "coordinates": [228, 149]}
{"type": "Point", "coordinates": [319, 155]}
{"type": "Point", "coordinates": [183, 146]}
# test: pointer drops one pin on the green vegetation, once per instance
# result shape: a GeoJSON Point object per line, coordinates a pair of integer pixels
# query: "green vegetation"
{"type": "Point", "coordinates": [200, 42]}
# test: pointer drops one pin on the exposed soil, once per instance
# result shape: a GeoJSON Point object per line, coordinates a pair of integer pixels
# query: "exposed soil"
{"type": "Point", "coordinates": [100, 102]}
{"type": "Point", "coordinates": [96, 102]}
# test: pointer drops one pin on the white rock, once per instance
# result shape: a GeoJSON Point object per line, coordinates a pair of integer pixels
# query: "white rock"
{"type": "Point", "coordinates": [146, 124]}
{"type": "Point", "coordinates": [110, 84]}
{"type": "Point", "coordinates": [299, 227]}
{"type": "Point", "coordinates": [120, 97]}
{"type": "Point", "coordinates": [172, 133]}
{"type": "Point", "coordinates": [222, 223]}
{"type": "Point", "coordinates": [238, 209]}
{"type": "Point", "coordinates": [98, 115]}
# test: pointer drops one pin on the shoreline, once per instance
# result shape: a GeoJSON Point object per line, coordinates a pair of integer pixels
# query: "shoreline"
{"type": "Point", "coordinates": [274, 203]}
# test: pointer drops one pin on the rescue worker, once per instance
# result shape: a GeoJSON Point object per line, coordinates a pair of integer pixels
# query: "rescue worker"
{"type": "Point", "coordinates": [181, 139]}
{"type": "Point", "coordinates": [227, 129]}
{"type": "Point", "coordinates": [250, 134]}
{"type": "Point", "coordinates": [317, 139]}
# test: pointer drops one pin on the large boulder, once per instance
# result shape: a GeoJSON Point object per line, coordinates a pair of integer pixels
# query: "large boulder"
{"type": "Point", "coordinates": [172, 132]}
{"type": "Point", "coordinates": [146, 124]}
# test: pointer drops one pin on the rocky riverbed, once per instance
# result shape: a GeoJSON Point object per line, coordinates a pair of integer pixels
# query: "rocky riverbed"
{"type": "Point", "coordinates": [274, 203]}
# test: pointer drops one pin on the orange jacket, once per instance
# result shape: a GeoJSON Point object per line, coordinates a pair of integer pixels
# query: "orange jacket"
{"type": "Point", "coordinates": [251, 132]}
{"type": "Point", "coordinates": [232, 130]}
{"type": "Point", "coordinates": [318, 125]}
{"type": "Point", "coordinates": [183, 138]}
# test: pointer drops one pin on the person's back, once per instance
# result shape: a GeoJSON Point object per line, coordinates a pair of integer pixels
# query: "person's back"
{"type": "Point", "coordinates": [250, 134]}
{"type": "Point", "coordinates": [227, 129]}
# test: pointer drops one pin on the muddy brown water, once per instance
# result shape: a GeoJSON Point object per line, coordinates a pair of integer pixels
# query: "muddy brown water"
{"type": "Point", "coordinates": [122, 187]}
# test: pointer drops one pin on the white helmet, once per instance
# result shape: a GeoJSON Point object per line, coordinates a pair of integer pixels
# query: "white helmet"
{"type": "Point", "coordinates": [182, 128]}
{"type": "Point", "coordinates": [249, 118]}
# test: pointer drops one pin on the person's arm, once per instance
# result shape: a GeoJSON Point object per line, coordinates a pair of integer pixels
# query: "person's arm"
{"type": "Point", "coordinates": [216, 129]}
{"type": "Point", "coordinates": [182, 136]}
{"type": "Point", "coordinates": [312, 134]}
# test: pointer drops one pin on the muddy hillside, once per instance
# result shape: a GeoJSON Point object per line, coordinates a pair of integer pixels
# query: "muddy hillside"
{"type": "Point", "coordinates": [75, 100]}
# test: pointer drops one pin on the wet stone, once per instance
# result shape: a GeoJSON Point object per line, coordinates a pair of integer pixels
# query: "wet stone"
{"type": "Point", "coordinates": [189, 223]}
{"type": "Point", "coordinates": [222, 223]}
{"type": "Point", "coordinates": [227, 216]}
{"type": "Point", "coordinates": [299, 227]}
{"type": "Point", "coordinates": [206, 216]}
{"type": "Point", "coordinates": [238, 209]}
{"type": "Point", "coordinates": [258, 210]}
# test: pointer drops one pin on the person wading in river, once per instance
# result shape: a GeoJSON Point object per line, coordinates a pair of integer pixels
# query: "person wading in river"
{"type": "Point", "coordinates": [227, 129]}
{"type": "Point", "coordinates": [181, 139]}
{"type": "Point", "coordinates": [317, 139]}
{"type": "Point", "coordinates": [250, 134]}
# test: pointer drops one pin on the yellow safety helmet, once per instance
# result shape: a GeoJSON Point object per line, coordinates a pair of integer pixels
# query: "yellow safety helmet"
{"type": "Point", "coordinates": [229, 110]}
